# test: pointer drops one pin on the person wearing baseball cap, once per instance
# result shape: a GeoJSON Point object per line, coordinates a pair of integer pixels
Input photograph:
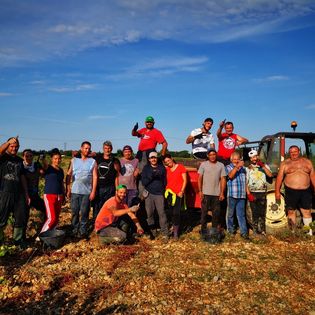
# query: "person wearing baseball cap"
{"type": "Point", "coordinates": [153, 178]}
{"type": "Point", "coordinates": [256, 189]}
{"type": "Point", "coordinates": [129, 173]}
{"type": "Point", "coordinates": [201, 140]}
{"type": "Point", "coordinates": [150, 137]}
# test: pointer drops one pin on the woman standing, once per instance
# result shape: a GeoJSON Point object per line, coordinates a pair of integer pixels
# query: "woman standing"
{"type": "Point", "coordinates": [176, 181]}
{"type": "Point", "coordinates": [54, 190]}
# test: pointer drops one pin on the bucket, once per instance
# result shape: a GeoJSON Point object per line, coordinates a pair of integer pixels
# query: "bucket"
{"type": "Point", "coordinates": [53, 238]}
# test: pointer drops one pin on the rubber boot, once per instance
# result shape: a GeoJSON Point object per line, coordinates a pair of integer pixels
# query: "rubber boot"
{"type": "Point", "coordinates": [2, 238]}
{"type": "Point", "coordinates": [176, 232]}
{"type": "Point", "coordinates": [18, 237]}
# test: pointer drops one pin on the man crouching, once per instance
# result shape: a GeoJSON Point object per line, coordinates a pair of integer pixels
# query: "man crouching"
{"type": "Point", "coordinates": [112, 221]}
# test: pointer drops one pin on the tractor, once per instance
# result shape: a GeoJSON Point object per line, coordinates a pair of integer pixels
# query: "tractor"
{"type": "Point", "coordinates": [272, 150]}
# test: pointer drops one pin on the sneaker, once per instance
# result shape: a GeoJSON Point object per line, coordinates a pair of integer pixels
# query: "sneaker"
{"type": "Point", "coordinates": [245, 237]}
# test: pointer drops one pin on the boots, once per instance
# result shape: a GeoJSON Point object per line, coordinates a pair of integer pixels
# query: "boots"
{"type": "Point", "coordinates": [18, 237]}
{"type": "Point", "coordinates": [2, 238]}
{"type": "Point", "coordinates": [176, 232]}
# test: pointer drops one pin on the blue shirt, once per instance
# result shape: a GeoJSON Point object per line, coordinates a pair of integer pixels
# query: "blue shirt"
{"type": "Point", "coordinates": [236, 187]}
{"type": "Point", "coordinates": [53, 181]}
{"type": "Point", "coordinates": [82, 175]}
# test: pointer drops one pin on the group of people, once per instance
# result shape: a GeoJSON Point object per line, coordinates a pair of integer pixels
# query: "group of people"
{"type": "Point", "coordinates": [124, 191]}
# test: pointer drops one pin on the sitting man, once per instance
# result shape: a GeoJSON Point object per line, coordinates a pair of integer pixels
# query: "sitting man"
{"type": "Point", "coordinates": [202, 140]}
{"type": "Point", "coordinates": [112, 221]}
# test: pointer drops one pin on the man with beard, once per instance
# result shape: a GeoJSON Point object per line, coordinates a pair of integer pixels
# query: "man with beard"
{"type": "Point", "coordinates": [112, 223]}
{"type": "Point", "coordinates": [256, 188]}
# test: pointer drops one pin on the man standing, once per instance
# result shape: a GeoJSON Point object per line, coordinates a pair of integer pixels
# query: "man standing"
{"type": "Point", "coordinates": [202, 140]}
{"type": "Point", "coordinates": [228, 141]}
{"type": "Point", "coordinates": [298, 174]}
{"type": "Point", "coordinates": [83, 174]}
{"type": "Point", "coordinates": [108, 169]}
{"type": "Point", "coordinates": [211, 184]}
{"type": "Point", "coordinates": [154, 181]}
{"type": "Point", "coordinates": [13, 191]}
{"type": "Point", "coordinates": [149, 138]}
{"type": "Point", "coordinates": [236, 193]}
{"type": "Point", "coordinates": [33, 172]}
{"type": "Point", "coordinates": [256, 188]}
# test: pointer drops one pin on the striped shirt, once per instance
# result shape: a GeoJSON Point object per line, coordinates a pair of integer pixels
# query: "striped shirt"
{"type": "Point", "coordinates": [236, 187]}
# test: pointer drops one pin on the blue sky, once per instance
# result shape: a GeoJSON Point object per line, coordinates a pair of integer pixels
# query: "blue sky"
{"type": "Point", "coordinates": [89, 70]}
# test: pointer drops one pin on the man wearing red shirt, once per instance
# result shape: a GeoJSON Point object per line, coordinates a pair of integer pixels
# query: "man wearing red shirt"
{"type": "Point", "coordinates": [149, 138]}
{"type": "Point", "coordinates": [228, 141]}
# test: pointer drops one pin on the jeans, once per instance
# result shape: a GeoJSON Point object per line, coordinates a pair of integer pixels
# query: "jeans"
{"type": "Point", "coordinates": [236, 205]}
{"type": "Point", "coordinates": [80, 203]}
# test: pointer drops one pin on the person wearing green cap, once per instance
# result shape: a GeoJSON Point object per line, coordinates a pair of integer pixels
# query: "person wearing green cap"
{"type": "Point", "coordinates": [150, 137]}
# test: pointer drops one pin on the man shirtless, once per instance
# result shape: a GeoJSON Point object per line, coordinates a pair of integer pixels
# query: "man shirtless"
{"type": "Point", "coordinates": [297, 173]}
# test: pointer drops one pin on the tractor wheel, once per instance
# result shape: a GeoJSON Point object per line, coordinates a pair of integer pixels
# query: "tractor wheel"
{"type": "Point", "coordinates": [276, 219]}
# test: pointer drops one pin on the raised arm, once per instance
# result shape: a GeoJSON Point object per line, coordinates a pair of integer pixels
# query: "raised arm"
{"type": "Point", "coordinates": [219, 131]}
{"type": "Point", "coordinates": [5, 145]}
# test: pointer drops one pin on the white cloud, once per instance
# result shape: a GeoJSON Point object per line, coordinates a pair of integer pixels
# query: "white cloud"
{"type": "Point", "coordinates": [272, 78]}
{"type": "Point", "coordinates": [5, 94]}
{"type": "Point", "coordinates": [77, 88]}
{"type": "Point", "coordinates": [163, 67]}
{"type": "Point", "coordinates": [311, 106]}
{"type": "Point", "coordinates": [103, 23]}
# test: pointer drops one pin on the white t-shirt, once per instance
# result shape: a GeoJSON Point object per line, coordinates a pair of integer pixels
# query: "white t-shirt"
{"type": "Point", "coordinates": [202, 144]}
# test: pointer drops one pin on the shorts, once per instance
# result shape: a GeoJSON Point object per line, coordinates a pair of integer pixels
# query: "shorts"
{"type": "Point", "coordinates": [298, 198]}
{"type": "Point", "coordinates": [200, 155]}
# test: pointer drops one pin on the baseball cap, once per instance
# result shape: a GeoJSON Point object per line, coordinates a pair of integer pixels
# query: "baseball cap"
{"type": "Point", "coordinates": [252, 153]}
{"type": "Point", "coordinates": [127, 147]}
{"type": "Point", "coordinates": [149, 119]}
{"type": "Point", "coordinates": [153, 154]}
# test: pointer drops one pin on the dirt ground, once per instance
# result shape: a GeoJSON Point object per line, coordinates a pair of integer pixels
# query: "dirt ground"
{"type": "Point", "coordinates": [272, 275]}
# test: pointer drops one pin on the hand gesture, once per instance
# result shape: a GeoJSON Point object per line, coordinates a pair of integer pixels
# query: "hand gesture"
{"type": "Point", "coordinates": [135, 127]}
{"type": "Point", "coordinates": [198, 136]}
{"type": "Point", "coordinates": [222, 123]}
{"type": "Point", "coordinates": [135, 208]}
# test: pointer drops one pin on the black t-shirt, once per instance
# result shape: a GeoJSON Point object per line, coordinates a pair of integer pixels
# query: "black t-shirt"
{"type": "Point", "coordinates": [11, 169]}
{"type": "Point", "coordinates": [106, 170]}
{"type": "Point", "coordinates": [32, 177]}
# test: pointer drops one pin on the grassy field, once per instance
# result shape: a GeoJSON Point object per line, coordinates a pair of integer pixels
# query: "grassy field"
{"type": "Point", "coordinates": [271, 275]}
